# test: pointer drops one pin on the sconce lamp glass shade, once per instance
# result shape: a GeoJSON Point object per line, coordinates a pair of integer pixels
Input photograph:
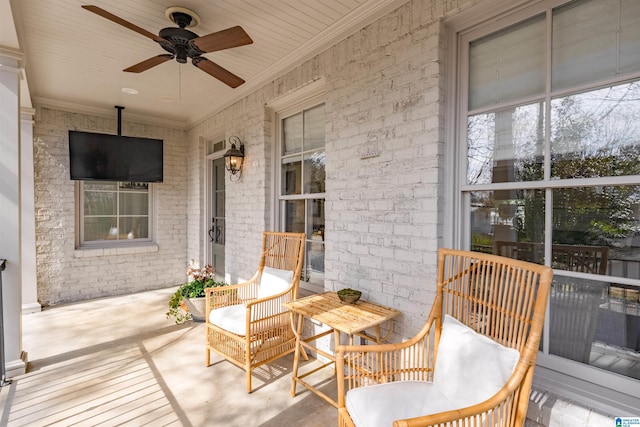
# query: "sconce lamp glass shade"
{"type": "Point", "coordinates": [234, 157]}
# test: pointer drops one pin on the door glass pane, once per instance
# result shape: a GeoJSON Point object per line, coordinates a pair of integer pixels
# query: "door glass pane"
{"type": "Point", "coordinates": [292, 134]}
{"type": "Point", "coordinates": [314, 128]}
{"type": "Point", "coordinates": [294, 216]}
{"type": "Point", "coordinates": [506, 145]}
{"type": "Point", "coordinates": [314, 172]}
{"type": "Point", "coordinates": [508, 65]}
{"type": "Point", "coordinates": [597, 133]}
{"type": "Point", "coordinates": [508, 223]}
{"type": "Point", "coordinates": [597, 230]}
{"type": "Point", "coordinates": [292, 175]}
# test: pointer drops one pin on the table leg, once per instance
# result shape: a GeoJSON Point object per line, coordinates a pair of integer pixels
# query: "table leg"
{"type": "Point", "coordinates": [296, 359]}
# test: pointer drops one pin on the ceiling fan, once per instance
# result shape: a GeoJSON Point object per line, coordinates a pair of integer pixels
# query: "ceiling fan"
{"type": "Point", "coordinates": [182, 43]}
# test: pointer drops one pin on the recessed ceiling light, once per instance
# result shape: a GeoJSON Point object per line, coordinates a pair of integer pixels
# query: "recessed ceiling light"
{"type": "Point", "coordinates": [130, 91]}
{"type": "Point", "coordinates": [166, 98]}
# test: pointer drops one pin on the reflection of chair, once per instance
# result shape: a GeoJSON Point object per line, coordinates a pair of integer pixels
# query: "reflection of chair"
{"type": "Point", "coordinates": [573, 317]}
{"type": "Point", "coordinates": [580, 258]}
{"type": "Point", "coordinates": [472, 362]}
{"type": "Point", "coordinates": [574, 303]}
{"type": "Point", "coordinates": [246, 323]}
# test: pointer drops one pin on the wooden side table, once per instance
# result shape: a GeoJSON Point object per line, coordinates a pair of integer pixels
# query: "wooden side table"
{"type": "Point", "coordinates": [351, 319]}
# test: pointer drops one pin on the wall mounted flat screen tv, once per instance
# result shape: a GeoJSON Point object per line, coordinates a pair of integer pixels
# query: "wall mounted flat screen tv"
{"type": "Point", "coordinates": [95, 156]}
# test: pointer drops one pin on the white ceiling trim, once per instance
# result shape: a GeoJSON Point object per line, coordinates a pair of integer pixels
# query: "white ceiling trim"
{"type": "Point", "coordinates": [362, 16]}
{"type": "Point", "coordinates": [111, 113]}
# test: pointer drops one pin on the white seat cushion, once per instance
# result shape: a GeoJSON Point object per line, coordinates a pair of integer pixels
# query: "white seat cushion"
{"type": "Point", "coordinates": [470, 367]}
{"type": "Point", "coordinates": [382, 404]}
{"type": "Point", "coordinates": [232, 318]}
{"type": "Point", "coordinates": [273, 281]}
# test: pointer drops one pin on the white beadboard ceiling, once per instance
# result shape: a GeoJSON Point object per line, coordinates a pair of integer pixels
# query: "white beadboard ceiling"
{"type": "Point", "coordinates": [74, 59]}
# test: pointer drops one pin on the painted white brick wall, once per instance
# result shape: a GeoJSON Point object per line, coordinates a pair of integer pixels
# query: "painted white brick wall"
{"type": "Point", "coordinates": [66, 274]}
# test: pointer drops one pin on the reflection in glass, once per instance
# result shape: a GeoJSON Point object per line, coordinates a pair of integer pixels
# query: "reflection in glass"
{"type": "Point", "coordinates": [604, 222]}
{"type": "Point", "coordinates": [291, 175]}
{"type": "Point", "coordinates": [294, 216]}
{"type": "Point", "coordinates": [100, 228]}
{"type": "Point", "coordinates": [292, 135]}
{"type": "Point", "coordinates": [134, 204]}
{"type": "Point", "coordinates": [314, 128]}
{"type": "Point", "coordinates": [506, 145]}
{"type": "Point", "coordinates": [99, 203]}
{"type": "Point", "coordinates": [314, 172]}
{"type": "Point", "coordinates": [595, 322]}
{"type": "Point", "coordinates": [507, 222]}
{"type": "Point", "coordinates": [597, 133]}
{"type": "Point", "coordinates": [134, 228]}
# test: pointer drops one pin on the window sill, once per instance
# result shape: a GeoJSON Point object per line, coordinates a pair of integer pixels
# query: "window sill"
{"type": "Point", "coordinates": [114, 251]}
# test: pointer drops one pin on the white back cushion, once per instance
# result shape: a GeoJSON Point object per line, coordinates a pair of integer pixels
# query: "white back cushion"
{"type": "Point", "coordinates": [470, 367]}
{"type": "Point", "coordinates": [274, 281]}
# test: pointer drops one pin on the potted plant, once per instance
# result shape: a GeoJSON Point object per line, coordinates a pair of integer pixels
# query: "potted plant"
{"type": "Point", "coordinates": [188, 302]}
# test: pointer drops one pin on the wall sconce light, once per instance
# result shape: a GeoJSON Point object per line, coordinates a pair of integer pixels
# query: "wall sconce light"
{"type": "Point", "coordinates": [234, 157]}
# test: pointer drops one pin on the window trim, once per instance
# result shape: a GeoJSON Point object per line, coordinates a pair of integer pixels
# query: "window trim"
{"type": "Point", "coordinates": [302, 99]}
{"type": "Point", "coordinates": [604, 390]}
{"type": "Point", "coordinates": [103, 244]}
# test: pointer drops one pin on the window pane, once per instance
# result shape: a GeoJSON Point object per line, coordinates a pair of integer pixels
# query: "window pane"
{"type": "Point", "coordinates": [596, 134]}
{"type": "Point", "coordinates": [100, 185]}
{"type": "Point", "coordinates": [508, 223]}
{"type": "Point", "coordinates": [629, 36]}
{"type": "Point", "coordinates": [585, 41]}
{"type": "Point", "coordinates": [292, 175]}
{"type": "Point", "coordinates": [99, 203]}
{"type": "Point", "coordinates": [508, 65]}
{"type": "Point", "coordinates": [596, 323]}
{"type": "Point", "coordinates": [292, 134]}
{"type": "Point", "coordinates": [134, 228]}
{"type": "Point", "coordinates": [100, 229]}
{"type": "Point", "coordinates": [600, 228]}
{"type": "Point", "coordinates": [134, 203]}
{"type": "Point", "coordinates": [314, 128]}
{"type": "Point", "coordinates": [314, 174]}
{"type": "Point", "coordinates": [294, 216]}
{"type": "Point", "coordinates": [506, 146]}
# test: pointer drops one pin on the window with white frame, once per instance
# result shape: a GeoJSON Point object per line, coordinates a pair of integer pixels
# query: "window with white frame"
{"type": "Point", "coordinates": [114, 213]}
{"type": "Point", "coordinates": [549, 171]}
{"type": "Point", "coordinates": [301, 135]}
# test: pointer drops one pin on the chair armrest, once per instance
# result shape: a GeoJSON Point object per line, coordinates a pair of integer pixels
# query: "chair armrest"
{"type": "Point", "coordinates": [224, 296]}
{"type": "Point", "coordinates": [268, 307]}
{"type": "Point", "coordinates": [362, 365]}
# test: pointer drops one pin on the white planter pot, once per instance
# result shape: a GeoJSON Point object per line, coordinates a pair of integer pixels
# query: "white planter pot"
{"type": "Point", "coordinates": [196, 307]}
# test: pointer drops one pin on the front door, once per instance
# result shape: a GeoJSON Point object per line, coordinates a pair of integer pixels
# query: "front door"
{"type": "Point", "coordinates": [216, 228]}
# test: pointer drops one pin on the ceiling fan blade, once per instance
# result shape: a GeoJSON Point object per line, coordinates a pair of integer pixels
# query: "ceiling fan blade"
{"type": "Point", "coordinates": [148, 63]}
{"type": "Point", "coordinates": [124, 23]}
{"type": "Point", "coordinates": [225, 39]}
{"type": "Point", "coordinates": [218, 72]}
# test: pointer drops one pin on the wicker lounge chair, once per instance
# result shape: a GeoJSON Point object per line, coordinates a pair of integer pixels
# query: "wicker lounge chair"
{"type": "Point", "coordinates": [471, 364]}
{"type": "Point", "coordinates": [246, 323]}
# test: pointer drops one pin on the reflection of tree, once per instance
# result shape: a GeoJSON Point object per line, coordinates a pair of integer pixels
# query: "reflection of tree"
{"type": "Point", "coordinates": [593, 135]}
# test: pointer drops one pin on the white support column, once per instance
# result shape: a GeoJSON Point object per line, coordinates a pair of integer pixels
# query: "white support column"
{"type": "Point", "coordinates": [10, 227]}
{"type": "Point", "coordinates": [30, 302]}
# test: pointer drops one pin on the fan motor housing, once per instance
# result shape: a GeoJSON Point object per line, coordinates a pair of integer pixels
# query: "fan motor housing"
{"type": "Point", "coordinates": [177, 43]}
